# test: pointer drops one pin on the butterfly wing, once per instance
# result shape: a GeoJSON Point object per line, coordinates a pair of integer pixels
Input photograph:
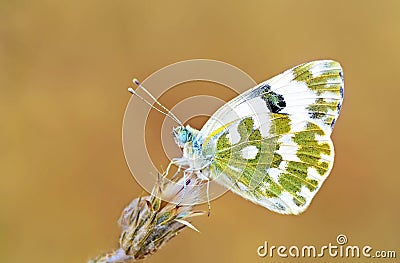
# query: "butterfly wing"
{"type": "Point", "coordinates": [272, 144]}
{"type": "Point", "coordinates": [312, 91]}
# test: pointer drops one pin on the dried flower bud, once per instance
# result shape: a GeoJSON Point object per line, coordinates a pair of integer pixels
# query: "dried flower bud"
{"type": "Point", "coordinates": [149, 222]}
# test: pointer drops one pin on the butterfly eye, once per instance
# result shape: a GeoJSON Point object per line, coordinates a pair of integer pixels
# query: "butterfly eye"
{"type": "Point", "coordinates": [183, 136]}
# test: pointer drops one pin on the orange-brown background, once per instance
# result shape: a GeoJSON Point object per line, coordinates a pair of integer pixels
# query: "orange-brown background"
{"type": "Point", "coordinates": [64, 70]}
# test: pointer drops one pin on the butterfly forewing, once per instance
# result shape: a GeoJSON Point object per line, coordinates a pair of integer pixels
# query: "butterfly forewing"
{"type": "Point", "coordinates": [311, 91]}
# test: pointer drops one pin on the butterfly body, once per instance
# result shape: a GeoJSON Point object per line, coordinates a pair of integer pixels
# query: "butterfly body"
{"type": "Point", "coordinates": [185, 138]}
{"type": "Point", "coordinates": [272, 143]}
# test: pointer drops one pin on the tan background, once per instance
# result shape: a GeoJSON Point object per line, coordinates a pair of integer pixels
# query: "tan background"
{"type": "Point", "coordinates": [64, 70]}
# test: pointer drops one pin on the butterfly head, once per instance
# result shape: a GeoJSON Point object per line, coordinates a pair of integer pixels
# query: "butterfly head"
{"type": "Point", "coordinates": [183, 135]}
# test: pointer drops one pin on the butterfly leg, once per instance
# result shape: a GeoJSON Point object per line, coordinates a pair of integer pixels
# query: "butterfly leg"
{"type": "Point", "coordinates": [176, 161]}
{"type": "Point", "coordinates": [169, 167]}
{"type": "Point", "coordinates": [203, 177]}
{"type": "Point", "coordinates": [177, 172]}
{"type": "Point", "coordinates": [184, 187]}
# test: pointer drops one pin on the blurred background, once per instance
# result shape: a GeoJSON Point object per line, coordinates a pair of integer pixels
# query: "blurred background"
{"type": "Point", "coordinates": [64, 70]}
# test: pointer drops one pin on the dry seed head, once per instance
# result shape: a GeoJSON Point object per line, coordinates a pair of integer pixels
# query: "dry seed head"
{"type": "Point", "coordinates": [149, 222]}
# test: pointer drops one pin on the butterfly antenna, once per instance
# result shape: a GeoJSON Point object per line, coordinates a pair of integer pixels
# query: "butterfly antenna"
{"type": "Point", "coordinates": [156, 101]}
{"type": "Point", "coordinates": [152, 106]}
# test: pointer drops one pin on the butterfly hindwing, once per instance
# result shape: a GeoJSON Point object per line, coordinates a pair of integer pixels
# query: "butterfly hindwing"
{"type": "Point", "coordinates": [281, 172]}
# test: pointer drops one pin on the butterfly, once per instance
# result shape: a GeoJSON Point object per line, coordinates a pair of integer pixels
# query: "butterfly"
{"type": "Point", "coordinates": [271, 144]}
